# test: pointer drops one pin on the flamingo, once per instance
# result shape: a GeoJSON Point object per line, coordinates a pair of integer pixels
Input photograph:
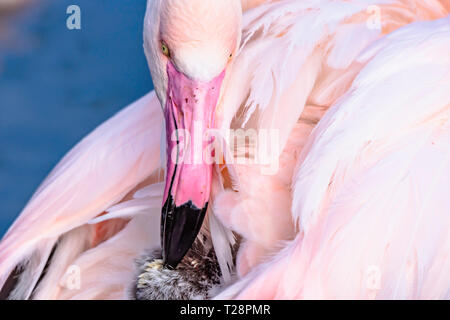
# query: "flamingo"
{"type": "Point", "coordinates": [351, 201]}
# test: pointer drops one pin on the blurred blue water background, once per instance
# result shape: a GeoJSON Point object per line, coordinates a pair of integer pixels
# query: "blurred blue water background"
{"type": "Point", "coordinates": [57, 85]}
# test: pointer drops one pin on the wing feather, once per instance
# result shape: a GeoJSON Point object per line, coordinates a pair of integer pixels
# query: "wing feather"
{"type": "Point", "coordinates": [371, 193]}
{"type": "Point", "coordinates": [96, 174]}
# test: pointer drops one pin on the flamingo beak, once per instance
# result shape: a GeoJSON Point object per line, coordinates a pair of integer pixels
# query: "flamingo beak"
{"type": "Point", "coordinates": [189, 114]}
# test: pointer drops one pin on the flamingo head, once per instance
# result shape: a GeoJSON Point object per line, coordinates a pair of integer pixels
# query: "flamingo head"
{"type": "Point", "coordinates": [189, 45]}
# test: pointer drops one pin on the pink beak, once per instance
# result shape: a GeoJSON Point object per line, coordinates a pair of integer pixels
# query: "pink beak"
{"type": "Point", "coordinates": [189, 114]}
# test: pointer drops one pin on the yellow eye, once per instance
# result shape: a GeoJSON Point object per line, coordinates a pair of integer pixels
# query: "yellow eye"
{"type": "Point", "coordinates": [165, 50]}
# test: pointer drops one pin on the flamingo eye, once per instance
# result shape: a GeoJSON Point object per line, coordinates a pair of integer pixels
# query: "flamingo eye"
{"type": "Point", "coordinates": [165, 49]}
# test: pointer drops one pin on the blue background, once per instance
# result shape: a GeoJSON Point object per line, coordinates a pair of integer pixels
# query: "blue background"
{"type": "Point", "coordinates": [57, 85]}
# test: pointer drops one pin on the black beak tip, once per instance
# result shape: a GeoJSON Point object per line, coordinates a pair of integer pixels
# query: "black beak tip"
{"type": "Point", "coordinates": [179, 229]}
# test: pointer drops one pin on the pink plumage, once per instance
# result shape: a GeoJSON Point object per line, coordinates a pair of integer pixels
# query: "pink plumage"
{"type": "Point", "coordinates": [358, 93]}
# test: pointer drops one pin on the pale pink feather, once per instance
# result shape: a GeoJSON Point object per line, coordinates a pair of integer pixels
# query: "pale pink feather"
{"type": "Point", "coordinates": [99, 172]}
{"type": "Point", "coordinates": [371, 191]}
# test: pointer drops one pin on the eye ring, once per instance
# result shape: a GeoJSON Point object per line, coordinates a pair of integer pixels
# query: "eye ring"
{"type": "Point", "coordinates": [165, 50]}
